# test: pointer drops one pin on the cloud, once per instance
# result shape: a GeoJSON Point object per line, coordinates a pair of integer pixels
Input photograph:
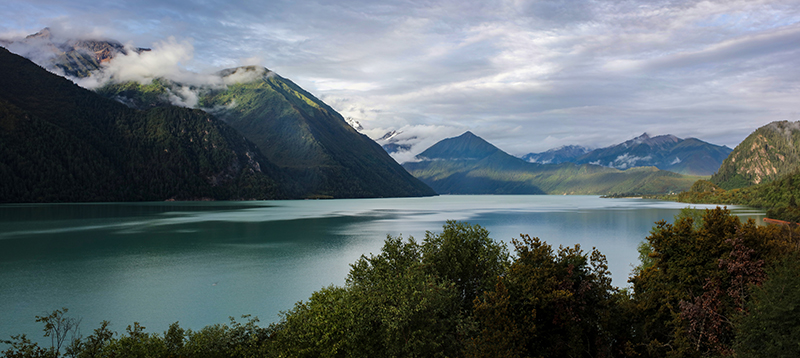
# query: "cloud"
{"type": "Point", "coordinates": [525, 75]}
{"type": "Point", "coordinates": [418, 137]}
{"type": "Point", "coordinates": [165, 60]}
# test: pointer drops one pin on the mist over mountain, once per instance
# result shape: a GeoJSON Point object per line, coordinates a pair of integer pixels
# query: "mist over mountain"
{"type": "Point", "coordinates": [468, 164]}
{"type": "Point", "coordinates": [68, 57]}
{"type": "Point", "coordinates": [301, 134]}
{"type": "Point", "coordinates": [689, 156]}
{"type": "Point", "coordinates": [305, 137]}
{"type": "Point", "coordinates": [566, 153]}
{"type": "Point", "coordinates": [62, 143]}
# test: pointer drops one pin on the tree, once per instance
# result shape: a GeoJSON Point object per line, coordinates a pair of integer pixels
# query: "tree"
{"type": "Point", "coordinates": [772, 327]}
{"type": "Point", "coordinates": [687, 301]}
{"type": "Point", "coordinates": [465, 255]}
{"type": "Point", "coordinates": [549, 303]}
{"type": "Point", "coordinates": [58, 327]}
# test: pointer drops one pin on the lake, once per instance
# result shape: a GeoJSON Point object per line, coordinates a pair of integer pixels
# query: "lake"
{"type": "Point", "coordinates": [201, 262]}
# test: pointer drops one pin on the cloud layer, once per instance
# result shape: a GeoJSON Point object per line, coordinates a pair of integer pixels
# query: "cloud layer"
{"type": "Point", "coordinates": [525, 75]}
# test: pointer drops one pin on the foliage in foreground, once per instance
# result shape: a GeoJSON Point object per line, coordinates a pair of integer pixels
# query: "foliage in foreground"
{"type": "Point", "coordinates": [709, 285]}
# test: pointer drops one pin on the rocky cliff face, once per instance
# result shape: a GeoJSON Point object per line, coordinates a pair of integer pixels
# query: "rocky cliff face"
{"type": "Point", "coordinates": [70, 57]}
{"type": "Point", "coordinates": [765, 155]}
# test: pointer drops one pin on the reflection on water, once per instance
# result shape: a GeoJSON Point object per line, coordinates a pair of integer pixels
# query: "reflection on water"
{"type": "Point", "coordinates": [199, 263]}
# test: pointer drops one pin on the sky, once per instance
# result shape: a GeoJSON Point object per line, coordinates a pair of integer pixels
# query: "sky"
{"type": "Point", "coordinates": [525, 75]}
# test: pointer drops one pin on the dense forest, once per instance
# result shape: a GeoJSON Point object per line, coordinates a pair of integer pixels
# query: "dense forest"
{"type": "Point", "coordinates": [708, 285]}
{"type": "Point", "coordinates": [62, 143]}
{"type": "Point", "coordinates": [778, 197]}
{"type": "Point", "coordinates": [307, 139]}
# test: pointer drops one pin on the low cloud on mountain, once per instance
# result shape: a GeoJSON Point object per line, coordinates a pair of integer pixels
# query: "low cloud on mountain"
{"type": "Point", "coordinates": [526, 75]}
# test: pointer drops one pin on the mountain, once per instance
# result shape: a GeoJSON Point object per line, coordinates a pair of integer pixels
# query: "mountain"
{"type": "Point", "coordinates": [467, 146]}
{"type": "Point", "coordinates": [308, 140]}
{"type": "Point", "coordinates": [302, 135]}
{"type": "Point", "coordinates": [355, 124]}
{"type": "Point", "coordinates": [767, 154]}
{"type": "Point", "coordinates": [62, 143]}
{"type": "Point", "coordinates": [563, 154]}
{"type": "Point", "coordinates": [392, 143]}
{"type": "Point", "coordinates": [71, 57]}
{"type": "Point", "coordinates": [468, 164]}
{"type": "Point", "coordinates": [688, 156]}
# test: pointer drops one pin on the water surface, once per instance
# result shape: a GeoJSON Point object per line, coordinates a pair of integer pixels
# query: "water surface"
{"type": "Point", "coordinates": [201, 262]}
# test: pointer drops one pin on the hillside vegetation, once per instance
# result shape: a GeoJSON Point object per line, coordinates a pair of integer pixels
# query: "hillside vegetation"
{"type": "Point", "coordinates": [762, 172]}
{"type": "Point", "coordinates": [708, 285]}
{"type": "Point", "coordinates": [767, 154]}
{"type": "Point", "coordinates": [61, 143]}
{"type": "Point", "coordinates": [303, 136]}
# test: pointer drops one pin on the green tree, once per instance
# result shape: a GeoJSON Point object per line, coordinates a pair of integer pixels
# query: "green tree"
{"type": "Point", "coordinates": [772, 327]}
{"type": "Point", "coordinates": [686, 302]}
{"type": "Point", "coordinates": [557, 304]}
{"type": "Point", "coordinates": [465, 255]}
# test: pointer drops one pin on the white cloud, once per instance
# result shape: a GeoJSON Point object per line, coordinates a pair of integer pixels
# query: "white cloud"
{"type": "Point", "coordinates": [525, 75]}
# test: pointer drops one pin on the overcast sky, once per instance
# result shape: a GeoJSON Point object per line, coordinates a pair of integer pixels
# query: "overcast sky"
{"type": "Point", "coordinates": [525, 75]}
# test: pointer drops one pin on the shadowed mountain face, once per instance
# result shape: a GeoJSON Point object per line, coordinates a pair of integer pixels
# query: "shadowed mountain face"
{"type": "Point", "coordinates": [308, 140]}
{"type": "Point", "coordinates": [689, 156]}
{"type": "Point", "coordinates": [469, 165]}
{"type": "Point", "coordinates": [769, 153]}
{"type": "Point", "coordinates": [302, 135]}
{"type": "Point", "coordinates": [60, 142]}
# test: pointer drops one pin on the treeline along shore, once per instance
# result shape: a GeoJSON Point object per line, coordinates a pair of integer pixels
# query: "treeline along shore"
{"type": "Point", "coordinates": [708, 284]}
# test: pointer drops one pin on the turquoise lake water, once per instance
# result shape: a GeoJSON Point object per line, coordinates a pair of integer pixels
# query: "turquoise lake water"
{"type": "Point", "coordinates": [201, 262]}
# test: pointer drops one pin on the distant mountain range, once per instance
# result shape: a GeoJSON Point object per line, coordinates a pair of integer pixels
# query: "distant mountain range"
{"type": "Point", "coordinates": [767, 154]}
{"type": "Point", "coordinates": [689, 156]}
{"type": "Point", "coordinates": [251, 133]}
{"type": "Point", "coordinates": [563, 154]}
{"type": "Point", "coordinates": [467, 164]}
{"type": "Point", "coordinates": [315, 151]}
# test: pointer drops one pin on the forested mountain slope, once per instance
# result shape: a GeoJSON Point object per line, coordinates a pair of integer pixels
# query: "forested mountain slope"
{"type": "Point", "coordinates": [59, 142]}
{"type": "Point", "coordinates": [767, 154]}
{"type": "Point", "coordinates": [306, 138]}
{"type": "Point", "coordinates": [301, 134]}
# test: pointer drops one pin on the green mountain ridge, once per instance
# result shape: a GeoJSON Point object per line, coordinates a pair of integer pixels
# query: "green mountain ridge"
{"type": "Point", "coordinates": [762, 172]}
{"type": "Point", "coordinates": [770, 152]}
{"type": "Point", "coordinates": [304, 136]}
{"type": "Point", "coordinates": [62, 143]}
{"type": "Point", "coordinates": [469, 165]}
{"type": "Point", "coordinates": [307, 139]}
